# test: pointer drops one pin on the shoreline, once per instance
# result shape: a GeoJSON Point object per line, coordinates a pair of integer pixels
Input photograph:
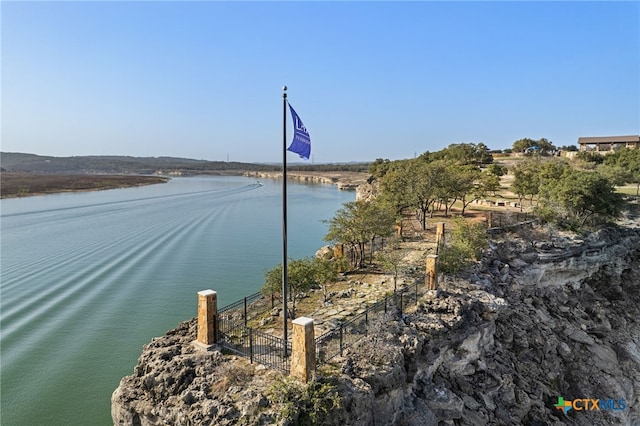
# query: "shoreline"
{"type": "Point", "coordinates": [347, 181]}
{"type": "Point", "coordinates": [495, 346]}
{"type": "Point", "coordinates": [21, 184]}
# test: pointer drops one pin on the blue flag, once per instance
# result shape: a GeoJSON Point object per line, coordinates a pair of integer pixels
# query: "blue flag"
{"type": "Point", "coordinates": [301, 143]}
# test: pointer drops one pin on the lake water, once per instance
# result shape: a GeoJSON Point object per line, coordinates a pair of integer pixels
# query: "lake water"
{"type": "Point", "coordinates": [86, 279]}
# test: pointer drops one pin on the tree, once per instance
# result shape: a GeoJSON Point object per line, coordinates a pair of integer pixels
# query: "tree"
{"type": "Point", "coordinates": [379, 168]}
{"type": "Point", "coordinates": [325, 272]}
{"type": "Point", "coordinates": [439, 186]}
{"type": "Point", "coordinates": [390, 261]}
{"type": "Point", "coordinates": [465, 153]}
{"type": "Point", "coordinates": [521, 145]}
{"type": "Point", "coordinates": [465, 184]}
{"type": "Point", "coordinates": [302, 274]}
{"type": "Point", "coordinates": [629, 160]}
{"type": "Point", "coordinates": [543, 146]}
{"type": "Point", "coordinates": [398, 187]}
{"type": "Point", "coordinates": [526, 181]}
{"type": "Point", "coordinates": [616, 174]}
{"type": "Point", "coordinates": [590, 157]}
{"type": "Point", "coordinates": [428, 175]}
{"type": "Point", "coordinates": [552, 169]}
{"type": "Point", "coordinates": [489, 182]}
{"type": "Point", "coordinates": [358, 223]}
{"type": "Point", "coordinates": [579, 195]}
{"type": "Point", "coordinates": [447, 189]}
{"type": "Point", "coordinates": [468, 240]}
{"type": "Point", "coordinates": [497, 170]}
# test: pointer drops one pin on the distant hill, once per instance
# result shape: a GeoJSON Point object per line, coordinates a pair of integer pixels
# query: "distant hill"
{"type": "Point", "coordinates": [32, 163]}
{"type": "Point", "coordinates": [19, 162]}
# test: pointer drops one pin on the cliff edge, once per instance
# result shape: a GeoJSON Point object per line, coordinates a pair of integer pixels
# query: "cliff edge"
{"type": "Point", "coordinates": [535, 325]}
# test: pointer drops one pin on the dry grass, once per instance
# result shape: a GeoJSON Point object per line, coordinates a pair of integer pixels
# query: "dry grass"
{"type": "Point", "coordinates": [25, 184]}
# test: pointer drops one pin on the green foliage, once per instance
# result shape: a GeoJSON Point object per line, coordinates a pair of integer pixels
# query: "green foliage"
{"type": "Point", "coordinates": [465, 153]}
{"type": "Point", "coordinates": [553, 169]}
{"type": "Point", "coordinates": [379, 168]}
{"type": "Point", "coordinates": [579, 195]}
{"type": "Point", "coordinates": [273, 281]}
{"type": "Point", "coordinates": [468, 184]}
{"type": "Point", "coordinates": [332, 167]}
{"type": "Point", "coordinates": [466, 243]}
{"type": "Point", "coordinates": [118, 164]}
{"type": "Point", "coordinates": [497, 170]}
{"type": "Point", "coordinates": [302, 274]}
{"type": "Point", "coordinates": [452, 259]}
{"type": "Point", "coordinates": [390, 261]}
{"type": "Point", "coordinates": [325, 272]}
{"type": "Point", "coordinates": [526, 180]}
{"type": "Point", "coordinates": [489, 182]}
{"type": "Point", "coordinates": [590, 157]}
{"type": "Point", "coordinates": [147, 165]}
{"type": "Point", "coordinates": [530, 174]}
{"type": "Point", "coordinates": [470, 235]}
{"type": "Point", "coordinates": [304, 404]}
{"type": "Point", "coordinates": [541, 146]}
{"type": "Point", "coordinates": [399, 184]}
{"type": "Point", "coordinates": [628, 160]}
{"type": "Point", "coordinates": [546, 213]}
{"type": "Point", "coordinates": [616, 174]}
{"type": "Point", "coordinates": [359, 222]}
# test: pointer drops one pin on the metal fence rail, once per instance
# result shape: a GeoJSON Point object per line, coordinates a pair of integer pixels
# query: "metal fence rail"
{"type": "Point", "coordinates": [237, 337]}
{"type": "Point", "coordinates": [238, 314]}
{"type": "Point", "coordinates": [335, 341]}
{"type": "Point", "coordinates": [260, 347]}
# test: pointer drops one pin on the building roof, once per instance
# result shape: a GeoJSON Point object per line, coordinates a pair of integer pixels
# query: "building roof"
{"type": "Point", "coordinates": [610, 139]}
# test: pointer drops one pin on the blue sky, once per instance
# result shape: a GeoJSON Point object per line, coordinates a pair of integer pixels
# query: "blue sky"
{"type": "Point", "coordinates": [369, 79]}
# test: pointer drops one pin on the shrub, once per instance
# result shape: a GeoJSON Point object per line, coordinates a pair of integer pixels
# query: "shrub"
{"type": "Point", "coordinates": [304, 404]}
{"type": "Point", "coordinates": [232, 374]}
{"type": "Point", "coordinates": [467, 241]}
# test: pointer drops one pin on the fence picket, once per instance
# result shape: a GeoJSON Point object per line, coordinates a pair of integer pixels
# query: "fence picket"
{"type": "Point", "coordinates": [237, 337]}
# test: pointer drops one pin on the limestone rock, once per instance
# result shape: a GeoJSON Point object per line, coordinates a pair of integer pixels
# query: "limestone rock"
{"type": "Point", "coordinates": [499, 348]}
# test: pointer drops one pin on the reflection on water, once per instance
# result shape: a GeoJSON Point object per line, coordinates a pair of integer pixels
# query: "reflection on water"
{"type": "Point", "coordinates": [88, 278]}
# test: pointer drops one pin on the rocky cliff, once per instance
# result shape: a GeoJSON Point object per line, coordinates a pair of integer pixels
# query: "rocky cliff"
{"type": "Point", "coordinates": [536, 321]}
{"type": "Point", "coordinates": [343, 180]}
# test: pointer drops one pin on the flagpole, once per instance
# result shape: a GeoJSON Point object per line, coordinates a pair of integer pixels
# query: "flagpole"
{"type": "Point", "coordinates": [284, 220]}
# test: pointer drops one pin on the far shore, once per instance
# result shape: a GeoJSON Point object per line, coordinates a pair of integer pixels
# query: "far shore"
{"type": "Point", "coordinates": [21, 184]}
{"type": "Point", "coordinates": [344, 180]}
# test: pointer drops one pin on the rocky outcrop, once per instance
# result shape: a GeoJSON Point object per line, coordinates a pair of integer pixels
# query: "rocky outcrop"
{"type": "Point", "coordinates": [348, 181]}
{"type": "Point", "coordinates": [536, 321]}
{"type": "Point", "coordinates": [368, 191]}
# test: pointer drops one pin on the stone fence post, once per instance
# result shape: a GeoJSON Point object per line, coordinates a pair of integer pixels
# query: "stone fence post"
{"type": "Point", "coordinates": [439, 235]}
{"type": "Point", "coordinates": [303, 349]}
{"type": "Point", "coordinates": [432, 272]}
{"type": "Point", "coordinates": [207, 317]}
{"type": "Point", "coordinates": [338, 253]}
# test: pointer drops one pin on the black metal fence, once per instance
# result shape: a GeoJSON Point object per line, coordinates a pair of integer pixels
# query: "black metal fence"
{"type": "Point", "coordinates": [237, 336]}
{"type": "Point", "coordinates": [240, 312]}
{"type": "Point", "coordinates": [508, 219]}
{"type": "Point", "coordinates": [260, 347]}
{"type": "Point", "coordinates": [347, 334]}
